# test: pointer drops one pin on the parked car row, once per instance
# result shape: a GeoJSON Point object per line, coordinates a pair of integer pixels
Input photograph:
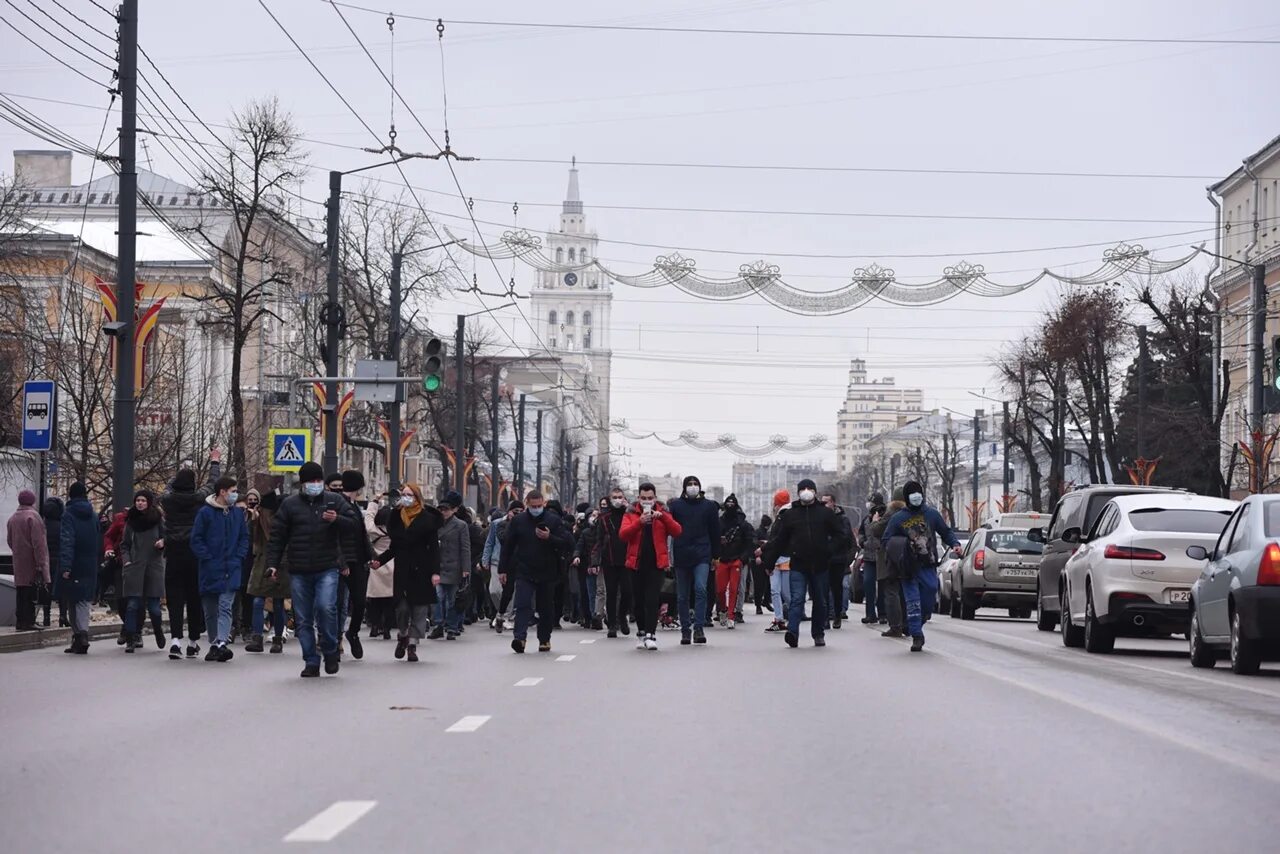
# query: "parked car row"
{"type": "Point", "coordinates": [1120, 561]}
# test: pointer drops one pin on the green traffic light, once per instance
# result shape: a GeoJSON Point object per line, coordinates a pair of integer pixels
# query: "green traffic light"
{"type": "Point", "coordinates": [431, 383]}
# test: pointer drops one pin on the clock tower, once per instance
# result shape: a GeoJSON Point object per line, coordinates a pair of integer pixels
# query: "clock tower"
{"type": "Point", "coordinates": [570, 307]}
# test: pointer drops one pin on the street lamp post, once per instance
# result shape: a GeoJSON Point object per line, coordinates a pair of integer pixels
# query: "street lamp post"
{"type": "Point", "coordinates": [459, 426]}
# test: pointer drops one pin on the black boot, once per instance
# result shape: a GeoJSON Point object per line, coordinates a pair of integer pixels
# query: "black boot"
{"type": "Point", "coordinates": [157, 627]}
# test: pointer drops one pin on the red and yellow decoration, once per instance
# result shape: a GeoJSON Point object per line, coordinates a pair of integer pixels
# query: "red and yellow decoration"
{"type": "Point", "coordinates": [1006, 503]}
{"type": "Point", "coordinates": [344, 406]}
{"type": "Point", "coordinates": [975, 510]}
{"type": "Point", "coordinates": [1257, 451]}
{"type": "Point", "coordinates": [145, 326]}
{"type": "Point", "coordinates": [406, 436]}
{"type": "Point", "coordinates": [1142, 470]}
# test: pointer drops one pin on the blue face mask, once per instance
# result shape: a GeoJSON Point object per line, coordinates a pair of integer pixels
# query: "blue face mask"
{"type": "Point", "coordinates": [535, 512]}
{"type": "Point", "coordinates": [232, 497]}
{"type": "Point", "coordinates": [313, 489]}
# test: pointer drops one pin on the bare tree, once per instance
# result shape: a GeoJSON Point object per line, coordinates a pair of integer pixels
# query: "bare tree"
{"type": "Point", "coordinates": [261, 159]}
{"type": "Point", "coordinates": [942, 454]}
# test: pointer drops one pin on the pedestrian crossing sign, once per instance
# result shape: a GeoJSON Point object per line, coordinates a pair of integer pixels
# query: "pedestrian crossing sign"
{"type": "Point", "coordinates": [289, 447]}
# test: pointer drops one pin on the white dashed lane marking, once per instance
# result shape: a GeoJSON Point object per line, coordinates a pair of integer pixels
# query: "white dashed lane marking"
{"type": "Point", "coordinates": [330, 822]}
{"type": "Point", "coordinates": [566, 658]}
{"type": "Point", "coordinates": [588, 640]}
{"type": "Point", "coordinates": [528, 681]}
{"type": "Point", "coordinates": [470, 723]}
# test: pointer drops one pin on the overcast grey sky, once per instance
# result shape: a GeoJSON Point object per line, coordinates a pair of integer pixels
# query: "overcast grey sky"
{"type": "Point", "coordinates": [1180, 110]}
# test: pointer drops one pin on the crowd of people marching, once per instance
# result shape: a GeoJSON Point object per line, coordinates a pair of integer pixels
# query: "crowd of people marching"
{"type": "Point", "coordinates": [325, 565]}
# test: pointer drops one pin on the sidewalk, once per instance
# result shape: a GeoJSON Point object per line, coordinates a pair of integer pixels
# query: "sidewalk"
{"type": "Point", "coordinates": [102, 624]}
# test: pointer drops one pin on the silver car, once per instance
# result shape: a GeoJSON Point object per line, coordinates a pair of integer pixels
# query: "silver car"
{"type": "Point", "coordinates": [998, 569]}
{"type": "Point", "coordinates": [1235, 603]}
{"type": "Point", "coordinates": [946, 573]}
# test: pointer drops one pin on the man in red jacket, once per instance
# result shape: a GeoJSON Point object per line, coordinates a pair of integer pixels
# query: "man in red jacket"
{"type": "Point", "coordinates": [645, 530]}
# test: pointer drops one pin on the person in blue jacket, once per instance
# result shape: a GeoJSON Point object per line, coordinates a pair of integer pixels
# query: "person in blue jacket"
{"type": "Point", "coordinates": [220, 541]}
{"type": "Point", "coordinates": [695, 549]}
{"type": "Point", "coordinates": [78, 548]}
{"type": "Point", "coordinates": [911, 541]}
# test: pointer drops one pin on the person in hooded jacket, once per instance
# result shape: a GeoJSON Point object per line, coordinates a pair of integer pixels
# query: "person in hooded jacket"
{"type": "Point", "coordinates": [414, 534]}
{"type": "Point", "coordinates": [812, 535]}
{"type": "Point", "coordinates": [142, 562]}
{"type": "Point", "coordinates": [696, 548]}
{"type": "Point", "coordinates": [78, 563]}
{"type": "Point", "coordinates": [737, 545]}
{"type": "Point", "coordinates": [181, 572]}
{"type": "Point", "coordinates": [52, 513]}
{"type": "Point", "coordinates": [259, 516]}
{"type": "Point", "coordinates": [535, 551]}
{"type": "Point", "coordinates": [220, 540]}
{"type": "Point", "coordinates": [646, 529]}
{"type": "Point", "coordinates": [780, 569]}
{"type": "Point", "coordinates": [888, 581]}
{"type": "Point", "coordinates": [612, 550]}
{"type": "Point", "coordinates": [454, 568]}
{"type": "Point", "coordinates": [109, 569]}
{"type": "Point", "coordinates": [30, 549]}
{"type": "Point", "coordinates": [870, 545]}
{"type": "Point", "coordinates": [911, 541]}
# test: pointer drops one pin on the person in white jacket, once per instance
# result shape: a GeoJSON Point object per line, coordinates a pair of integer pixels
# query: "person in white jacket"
{"type": "Point", "coordinates": [380, 595]}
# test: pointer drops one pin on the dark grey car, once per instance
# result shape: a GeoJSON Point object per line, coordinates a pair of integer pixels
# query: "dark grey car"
{"type": "Point", "coordinates": [1077, 509]}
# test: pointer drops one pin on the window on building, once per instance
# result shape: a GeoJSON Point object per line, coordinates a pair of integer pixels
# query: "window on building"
{"type": "Point", "coordinates": [571, 261]}
{"type": "Point", "coordinates": [93, 197]}
{"type": "Point", "coordinates": [586, 339]}
{"type": "Point", "coordinates": [559, 254]}
{"type": "Point", "coordinates": [552, 343]}
{"type": "Point", "coordinates": [551, 319]}
{"type": "Point", "coordinates": [568, 317]}
{"type": "Point", "coordinates": [65, 196]}
{"type": "Point", "coordinates": [586, 318]}
{"type": "Point", "coordinates": [173, 201]}
{"type": "Point", "coordinates": [36, 198]}
{"type": "Point", "coordinates": [583, 255]}
{"type": "Point", "coordinates": [568, 342]}
{"type": "Point", "coordinates": [106, 198]}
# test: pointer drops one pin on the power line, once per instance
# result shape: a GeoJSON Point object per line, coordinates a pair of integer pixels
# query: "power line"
{"type": "Point", "coordinates": [825, 34]}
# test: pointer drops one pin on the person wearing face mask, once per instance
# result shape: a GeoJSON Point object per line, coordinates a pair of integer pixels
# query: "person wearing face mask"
{"type": "Point", "coordinates": [414, 531]}
{"type": "Point", "coordinates": [534, 547]}
{"type": "Point", "coordinates": [646, 529]}
{"type": "Point", "coordinates": [220, 540]}
{"type": "Point", "coordinates": [613, 564]}
{"type": "Point", "coordinates": [888, 581]}
{"type": "Point", "coordinates": [696, 548]}
{"type": "Point", "coordinates": [840, 562]}
{"type": "Point", "coordinates": [261, 509]}
{"type": "Point", "coordinates": [737, 545]}
{"type": "Point", "coordinates": [492, 558]}
{"type": "Point", "coordinates": [779, 570]}
{"type": "Point", "coordinates": [312, 531]}
{"type": "Point", "coordinates": [812, 535]}
{"type": "Point", "coordinates": [911, 538]}
{"type": "Point", "coordinates": [142, 561]}
{"type": "Point", "coordinates": [454, 568]}
{"type": "Point", "coordinates": [353, 582]}
{"type": "Point", "coordinates": [870, 546]}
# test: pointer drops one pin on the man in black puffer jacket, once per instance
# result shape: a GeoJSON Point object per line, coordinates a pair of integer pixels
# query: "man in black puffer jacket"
{"type": "Point", "coordinates": [181, 570]}
{"type": "Point", "coordinates": [312, 528]}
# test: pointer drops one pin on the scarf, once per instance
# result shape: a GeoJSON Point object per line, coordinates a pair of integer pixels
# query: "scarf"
{"type": "Point", "coordinates": [408, 514]}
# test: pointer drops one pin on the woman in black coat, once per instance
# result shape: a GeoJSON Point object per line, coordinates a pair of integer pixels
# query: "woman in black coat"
{"type": "Point", "coordinates": [53, 534]}
{"type": "Point", "coordinates": [414, 530]}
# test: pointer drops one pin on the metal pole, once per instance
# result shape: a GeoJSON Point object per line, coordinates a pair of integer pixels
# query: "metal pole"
{"type": "Point", "coordinates": [1258, 333]}
{"type": "Point", "coordinates": [591, 476]}
{"type": "Point", "coordinates": [1142, 392]}
{"type": "Point", "coordinates": [519, 474]}
{"type": "Point", "coordinates": [493, 436]}
{"type": "Point", "coordinates": [126, 259]}
{"type": "Point", "coordinates": [460, 422]}
{"type": "Point", "coordinates": [538, 437]}
{"type": "Point", "coordinates": [1008, 470]}
{"type": "Point", "coordinates": [977, 438]}
{"type": "Point", "coordinates": [330, 412]}
{"type": "Point", "coordinates": [394, 462]}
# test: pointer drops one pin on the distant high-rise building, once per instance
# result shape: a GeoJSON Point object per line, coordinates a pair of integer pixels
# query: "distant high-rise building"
{"type": "Point", "coordinates": [870, 408]}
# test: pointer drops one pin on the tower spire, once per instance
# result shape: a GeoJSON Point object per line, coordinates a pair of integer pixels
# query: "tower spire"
{"type": "Point", "coordinates": [572, 199]}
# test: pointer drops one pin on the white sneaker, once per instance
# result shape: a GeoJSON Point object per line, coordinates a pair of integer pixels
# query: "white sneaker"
{"type": "Point", "coordinates": [642, 641]}
{"type": "Point", "coordinates": [175, 649]}
{"type": "Point", "coordinates": [651, 643]}
{"type": "Point", "coordinates": [729, 624]}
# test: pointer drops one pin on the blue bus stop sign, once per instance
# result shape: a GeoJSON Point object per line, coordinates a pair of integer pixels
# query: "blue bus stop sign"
{"type": "Point", "coordinates": [37, 415]}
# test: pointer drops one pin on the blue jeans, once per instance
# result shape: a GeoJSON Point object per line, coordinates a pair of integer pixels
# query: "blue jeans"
{"type": "Point", "coordinates": [845, 584]}
{"type": "Point", "coordinates": [587, 596]}
{"type": "Point", "coordinates": [445, 611]}
{"type": "Point", "coordinates": [819, 585]}
{"type": "Point", "coordinates": [869, 590]}
{"type": "Point", "coordinates": [920, 591]}
{"type": "Point", "coordinates": [277, 615]}
{"type": "Point", "coordinates": [691, 583]}
{"type": "Point", "coordinates": [780, 589]}
{"type": "Point", "coordinates": [217, 615]}
{"type": "Point", "coordinates": [133, 613]}
{"type": "Point", "coordinates": [315, 605]}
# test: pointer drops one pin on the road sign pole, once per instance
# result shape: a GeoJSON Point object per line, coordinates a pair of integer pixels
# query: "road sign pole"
{"type": "Point", "coordinates": [395, 463]}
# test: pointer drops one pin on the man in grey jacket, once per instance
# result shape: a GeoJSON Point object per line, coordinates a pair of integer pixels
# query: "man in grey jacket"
{"type": "Point", "coordinates": [455, 568]}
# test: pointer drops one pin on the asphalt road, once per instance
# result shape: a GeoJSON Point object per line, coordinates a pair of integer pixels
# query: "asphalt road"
{"type": "Point", "coordinates": [996, 739]}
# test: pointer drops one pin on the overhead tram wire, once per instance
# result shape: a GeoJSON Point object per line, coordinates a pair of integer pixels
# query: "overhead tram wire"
{"type": "Point", "coordinates": [430, 222]}
{"type": "Point", "coordinates": [826, 34]}
{"type": "Point", "coordinates": [73, 33]}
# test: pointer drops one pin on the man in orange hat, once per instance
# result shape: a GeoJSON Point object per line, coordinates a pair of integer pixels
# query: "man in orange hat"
{"type": "Point", "coordinates": [780, 572]}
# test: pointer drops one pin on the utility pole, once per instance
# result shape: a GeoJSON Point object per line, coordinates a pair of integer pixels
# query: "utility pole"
{"type": "Point", "coordinates": [591, 476]}
{"type": "Point", "coordinates": [460, 422]}
{"type": "Point", "coordinates": [1142, 392]}
{"type": "Point", "coordinates": [538, 437]}
{"type": "Point", "coordinates": [1258, 333]}
{"type": "Point", "coordinates": [331, 319]}
{"type": "Point", "coordinates": [977, 438]}
{"type": "Point", "coordinates": [493, 433]}
{"type": "Point", "coordinates": [393, 452]}
{"type": "Point", "coordinates": [126, 259]}
{"type": "Point", "coordinates": [519, 474]}
{"type": "Point", "coordinates": [1008, 471]}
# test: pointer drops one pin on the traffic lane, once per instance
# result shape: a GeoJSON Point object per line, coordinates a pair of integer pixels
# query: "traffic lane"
{"type": "Point", "coordinates": [115, 748]}
{"type": "Point", "coordinates": [1165, 654]}
{"type": "Point", "coordinates": [748, 745]}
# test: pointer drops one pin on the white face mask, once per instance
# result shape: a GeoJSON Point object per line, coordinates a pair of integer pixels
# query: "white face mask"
{"type": "Point", "coordinates": [807, 495]}
{"type": "Point", "coordinates": [646, 504]}
{"type": "Point", "coordinates": [692, 491]}
{"type": "Point", "coordinates": [535, 512]}
{"type": "Point", "coordinates": [619, 503]}
{"type": "Point", "coordinates": [408, 500]}
{"type": "Point", "coordinates": [869, 505]}
{"type": "Point", "coordinates": [915, 499]}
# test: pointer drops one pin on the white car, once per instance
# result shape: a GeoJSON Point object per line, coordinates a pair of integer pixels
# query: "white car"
{"type": "Point", "coordinates": [1131, 575]}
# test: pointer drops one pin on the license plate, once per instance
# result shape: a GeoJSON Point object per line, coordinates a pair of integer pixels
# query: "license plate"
{"type": "Point", "coordinates": [1021, 573]}
{"type": "Point", "coordinates": [1179, 595]}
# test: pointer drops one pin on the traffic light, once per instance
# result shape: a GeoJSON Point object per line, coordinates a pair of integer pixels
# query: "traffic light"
{"type": "Point", "coordinates": [433, 372]}
{"type": "Point", "coordinates": [1275, 362]}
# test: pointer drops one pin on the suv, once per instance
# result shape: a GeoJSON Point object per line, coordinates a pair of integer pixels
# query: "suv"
{"type": "Point", "coordinates": [1077, 509]}
{"type": "Point", "coordinates": [998, 570]}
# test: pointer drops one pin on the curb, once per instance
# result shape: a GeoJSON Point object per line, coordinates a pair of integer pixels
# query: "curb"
{"type": "Point", "coordinates": [26, 641]}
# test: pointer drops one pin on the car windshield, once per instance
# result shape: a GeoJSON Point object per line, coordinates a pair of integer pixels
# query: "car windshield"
{"type": "Point", "coordinates": [1179, 521]}
{"type": "Point", "coordinates": [1013, 542]}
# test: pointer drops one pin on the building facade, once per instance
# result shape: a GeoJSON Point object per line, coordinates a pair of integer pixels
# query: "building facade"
{"type": "Point", "coordinates": [755, 483]}
{"type": "Point", "coordinates": [871, 407]}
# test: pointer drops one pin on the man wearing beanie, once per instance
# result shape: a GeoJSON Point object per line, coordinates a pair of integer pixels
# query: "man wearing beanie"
{"type": "Point", "coordinates": [455, 568]}
{"type": "Point", "coordinates": [353, 584]}
{"type": "Point", "coordinates": [695, 549]}
{"type": "Point", "coordinates": [911, 541]}
{"type": "Point", "coordinates": [311, 528]}
{"type": "Point", "coordinates": [812, 535]}
{"type": "Point", "coordinates": [30, 551]}
{"type": "Point", "coordinates": [78, 563]}
{"type": "Point", "coordinates": [180, 504]}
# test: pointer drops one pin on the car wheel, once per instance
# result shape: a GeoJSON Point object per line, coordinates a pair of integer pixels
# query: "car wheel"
{"type": "Point", "coordinates": [1246, 657]}
{"type": "Point", "coordinates": [1072, 635]}
{"type": "Point", "coordinates": [1201, 654]}
{"type": "Point", "coordinates": [968, 608]}
{"type": "Point", "coordinates": [953, 606]}
{"type": "Point", "coordinates": [1045, 621]}
{"type": "Point", "coordinates": [1097, 637]}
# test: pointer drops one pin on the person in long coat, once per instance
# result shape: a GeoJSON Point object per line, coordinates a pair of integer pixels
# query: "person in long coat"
{"type": "Point", "coordinates": [80, 540]}
{"type": "Point", "coordinates": [415, 546]}
{"type": "Point", "coordinates": [142, 568]}
{"type": "Point", "coordinates": [260, 510]}
{"type": "Point", "coordinates": [52, 513]}
{"type": "Point", "coordinates": [30, 550]}
{"type": "Point", "coordinates": [380, 599]}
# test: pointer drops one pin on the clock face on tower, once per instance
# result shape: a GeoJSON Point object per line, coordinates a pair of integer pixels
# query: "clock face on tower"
{"type": "Point", "coordinates": [571, 279]}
